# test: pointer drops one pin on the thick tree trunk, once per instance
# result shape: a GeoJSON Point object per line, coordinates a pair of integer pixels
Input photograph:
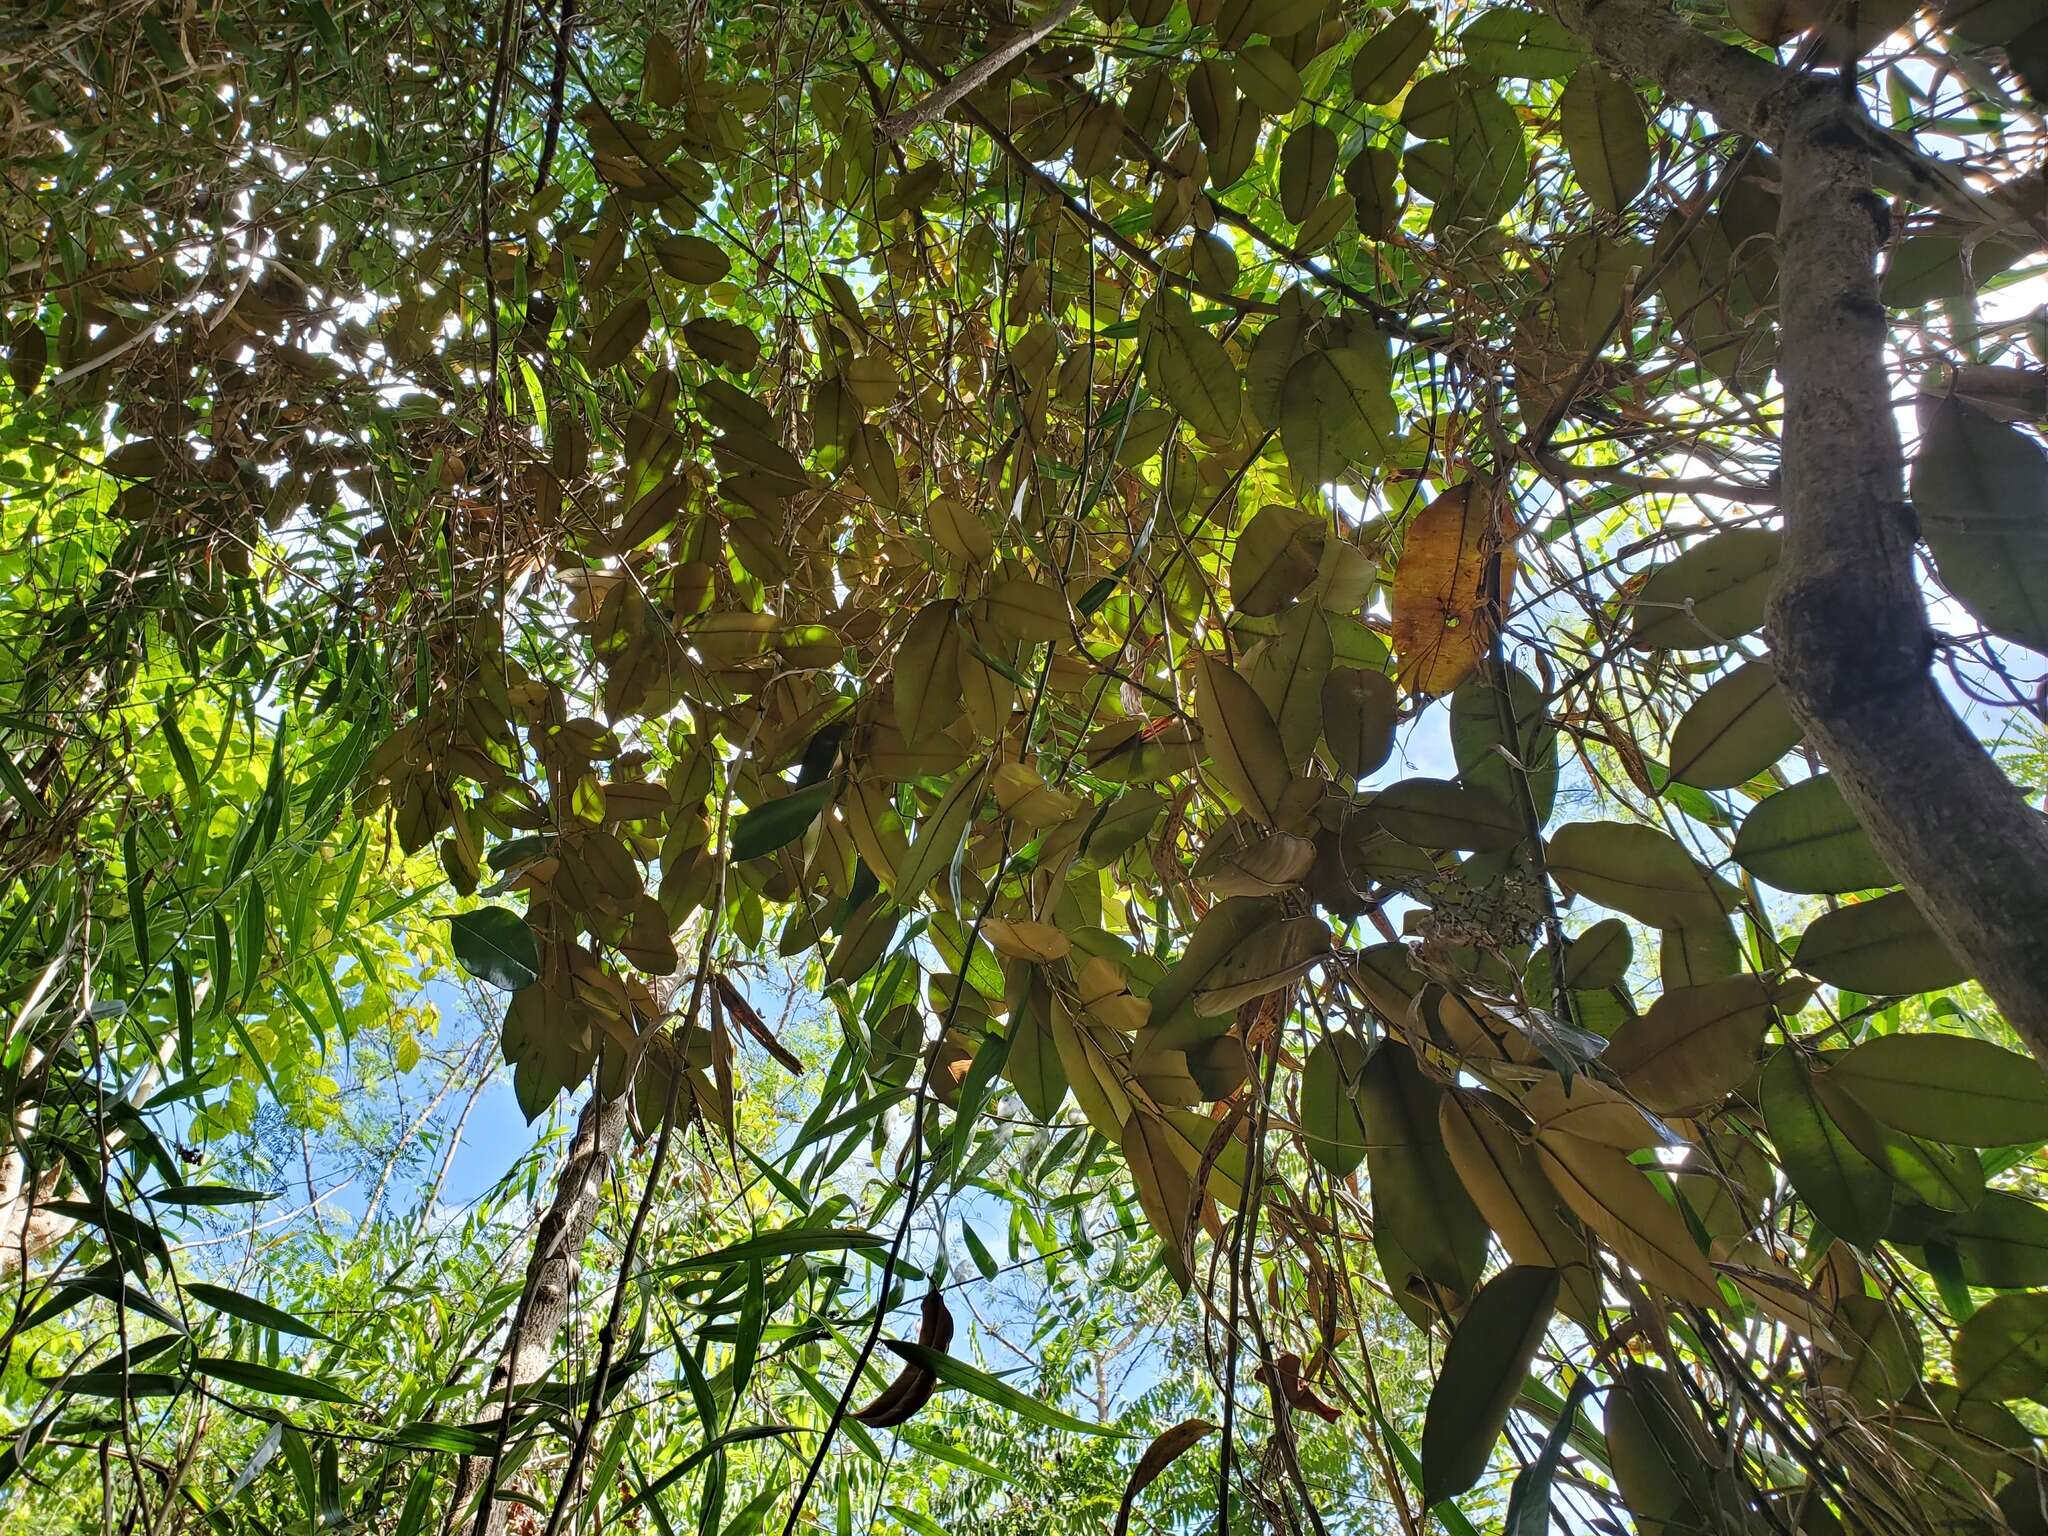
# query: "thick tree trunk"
{"type": "Point", "coordinates": [1848, 619]}
{"type": "Point", "coordinates": [1848, 622]}
{"type": "Point", "coordinates": [544, 1305]}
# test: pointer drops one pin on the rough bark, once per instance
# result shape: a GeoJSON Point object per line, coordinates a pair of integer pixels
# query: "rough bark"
{"type": "Point", "coordinates": [1848, 621]}
{"type": "Point", "coordinates": [544, 1304]}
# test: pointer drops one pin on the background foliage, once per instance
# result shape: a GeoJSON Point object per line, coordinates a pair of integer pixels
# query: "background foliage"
{"type": "Point", "coordinates": [1110, 663]}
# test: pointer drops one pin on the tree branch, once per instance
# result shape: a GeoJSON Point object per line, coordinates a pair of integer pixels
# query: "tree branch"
{"type": "Point", "coordinates": [1754, 95]}
{"type": "Point", "coordinates": [1848, 622]}
{"type": "Point", "coordinates": [974, 76]}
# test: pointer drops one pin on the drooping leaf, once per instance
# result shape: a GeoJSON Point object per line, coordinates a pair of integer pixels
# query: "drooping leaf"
{"type": "Point", "coordinates": [941, 833]}
{"type": "Point", "coordinates": [1481, 1377]}
{"type": "Point", "coordinates": [1166, 1448]}
{"type": "Point", "coordinates": [1606, 137]}
{"type": "Point", "coordinates": [1333, 1132]}
{"type": "Point", "coordinates": [1844, 1188]}
{"type": "Point", "coordinates": [1416, 1194]}
{"type": "Point", "coordinates": [1165, 1192]}
{"type": "Point", "coordinates": [1242, 738]}
{"type": "Point", "coordinates": [1616, 1199]}
{"type": "Point", "coordinates": [1980, 488]}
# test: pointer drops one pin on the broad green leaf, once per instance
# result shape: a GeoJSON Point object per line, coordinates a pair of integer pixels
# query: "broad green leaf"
{"type": "Point", "coordinates": [1243, 740]}
{"type": "Point", "coordinates": [1734, 731]}
{"type": "Point", "coordinates": [1490, 1352]}
{"type": "Point", "coordinates": [2002, 1242]}
{"type": "Point", "coordinates": [495, 945]}
{"type": "Point", "coordinates": [1165, 1191]}
{"type": "Point", "coordinates": [1369, 178]}
{"type": "Point", "coordinates": [1695, 1045]}
{"type": "Point", "coordinates": [1333, 1133]}
{"type": "Point", "coordinates": [1806, 839]}
{"type": "Point", "coordinates": [1437, 813]}
{"type": "Point", "coordinates": [1879, 947]}
{"type": "Point", "coordinates": [1980, 488]}
{"type": "Point", "coordinates": [1523, 44]}
{"type": "Point", "coordinates": [614, 337]}
{"type": "Point", "coordinates": [1844, 1189]}
{"type": "Point", "coordinates": [1925, 268]}
{"type": "Point", "coordinates": [1266, 77]}
{"type": "Point", "coordinates": [773, 824]}
{"type": "Point", "coordinates": [1276, 556]}
{"type": "Point", "coordinates": [1360, 711]}
{"type": "Point", "coordinates": [1287, 673]}
{"type": "Point", "coordinates": [1948, 1088]}
{"type": "Point", "coordinates": [1655, 1453]}
{"type": "Point", "coordinates": [1033, 1066]}
{"type": "Point", "coordinates": [2002, 1351]}
{"type": "Point", "coordinates": [1416, 1192]}
{"type": "Point", "coordinates": [1711, 594]}
{"type": "Point", "coordinates": [1308, 159]}
{"type": "Point", "coordinates": [1639, 871]}
{"type": "Point", "coordinates": [926, 676]}
{"type": "Point", "coordinates": [1495, 756]}
{"type": "Point", "coordinates": [1599, 957]}
{"type": "Point", "coordinates": [1264, 962]}
{"type": "Point", "coordinates": [1336, 410]}
{"type": "Point", "coordinates": [1386, 60]}
{"type": "Point", "coordinates": [1606, 136]}
{"type": "Point", "coordinates": [1192, 371]}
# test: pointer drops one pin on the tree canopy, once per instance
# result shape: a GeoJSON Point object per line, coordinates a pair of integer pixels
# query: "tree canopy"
{"type": "Point", "coordinates": [1262, 763]}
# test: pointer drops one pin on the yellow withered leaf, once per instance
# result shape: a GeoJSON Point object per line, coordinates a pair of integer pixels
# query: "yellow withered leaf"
{"type": "Point", "coordinates": [1444, 610]}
